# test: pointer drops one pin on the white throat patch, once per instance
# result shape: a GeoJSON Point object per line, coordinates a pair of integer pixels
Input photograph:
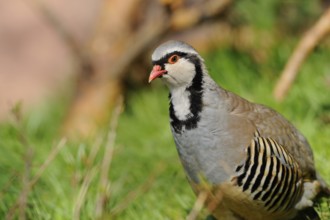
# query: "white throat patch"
{"type": "Point", "coordinates": [181, 103]}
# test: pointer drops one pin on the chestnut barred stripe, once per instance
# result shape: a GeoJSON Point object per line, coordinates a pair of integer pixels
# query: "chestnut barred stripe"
{"type": "Point", "coordinates": [270, 175]}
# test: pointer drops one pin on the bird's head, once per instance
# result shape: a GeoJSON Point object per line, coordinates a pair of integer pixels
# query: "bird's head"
{"type": "Point", "coordinates": [176, 63]}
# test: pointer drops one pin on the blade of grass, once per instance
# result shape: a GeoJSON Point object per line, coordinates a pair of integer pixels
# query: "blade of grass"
{"type": "Point", "coordinates": [82, 192]}
{"type": "Point", "coordinates": [104, 184]}
{"type": "Point", "coordinates": [87, 179]}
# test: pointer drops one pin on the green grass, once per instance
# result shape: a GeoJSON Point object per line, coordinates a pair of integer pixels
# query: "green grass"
{"type": "Point", "coordinates": [146, 178]}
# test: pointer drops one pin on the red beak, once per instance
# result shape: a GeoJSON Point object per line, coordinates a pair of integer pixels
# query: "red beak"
{"type": "Point", "coordinates": [156, 72]}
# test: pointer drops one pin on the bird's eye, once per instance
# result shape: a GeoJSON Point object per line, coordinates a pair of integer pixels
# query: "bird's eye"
{"type": "Point", "coordinates": [173, 59]}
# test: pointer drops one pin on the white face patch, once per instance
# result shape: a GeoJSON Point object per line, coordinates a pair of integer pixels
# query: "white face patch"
{"type": "Point", "coordinates": [179, 74]}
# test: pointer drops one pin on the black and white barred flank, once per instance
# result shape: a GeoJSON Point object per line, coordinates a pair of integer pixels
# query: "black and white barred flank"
{"type": "Point", "coordinates": [270, 175]}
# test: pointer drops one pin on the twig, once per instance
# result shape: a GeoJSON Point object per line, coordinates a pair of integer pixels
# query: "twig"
{"type": "Point", "coordinates": [87, 179]}
{"type": "Point", "coordinates": [28, 157]}
{"type": "Point", "coordinates": [82, 193]}
{"type": "Point", "coordinates": [199, 203]}
{"type": "Point", "coordinates": [23, 198]}
{"type": "Point", "coordinates": [47, 162]}
{"type": "Point", "coordinates": [104, 187]}
{"type": "Point", "coordinates": [36, 177]}
{"type": "Point", "coordinates": [9, 183]}
{"type": "Point", "coordinates": [305, 46]}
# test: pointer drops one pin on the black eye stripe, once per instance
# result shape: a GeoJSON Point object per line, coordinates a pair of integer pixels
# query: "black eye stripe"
{"type": "Point", "coordinates": [164, 59]}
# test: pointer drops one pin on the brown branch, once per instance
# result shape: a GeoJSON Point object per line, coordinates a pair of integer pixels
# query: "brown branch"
{"type": "Point", "coordinates": [181, 19]}
{"type": "Point", "coordinates": [305, 46]}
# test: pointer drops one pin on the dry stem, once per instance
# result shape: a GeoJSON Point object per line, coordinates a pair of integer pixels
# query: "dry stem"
{"type": "Point", "coordinates": [305, 46]}
{"type": "Point", "coordinates": [199, 203]}
{"type": "Point", "coordinates": [28, 185]}
{"type": "Point", "coordinates": [104, 186]}
{"type": "Point", "coordinates": [87, 179]}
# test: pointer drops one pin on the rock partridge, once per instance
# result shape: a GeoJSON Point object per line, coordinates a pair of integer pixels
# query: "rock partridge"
{"type": "Point", "coordinates": [250, 161]}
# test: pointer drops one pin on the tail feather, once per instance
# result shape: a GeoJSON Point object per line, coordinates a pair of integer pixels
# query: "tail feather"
{"type": "Point", "coordinates": [307, 214]}
{"type": "Point", "coordinates": [325, 189]}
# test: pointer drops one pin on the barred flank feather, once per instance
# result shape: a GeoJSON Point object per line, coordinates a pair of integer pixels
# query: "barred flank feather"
{"type": "Point", "coordinates": [271, 175]}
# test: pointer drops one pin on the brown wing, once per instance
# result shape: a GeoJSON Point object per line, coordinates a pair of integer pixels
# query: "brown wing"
{"type": "Point", "coordinates": [271, 124]}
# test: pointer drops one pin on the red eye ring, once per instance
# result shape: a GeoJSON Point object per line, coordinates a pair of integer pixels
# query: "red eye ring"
{"type": "Point", "coordinates": [173, 59]}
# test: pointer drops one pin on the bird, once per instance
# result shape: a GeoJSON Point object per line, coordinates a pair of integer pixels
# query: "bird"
{"type": "Point", "coordinates": [249, 161]}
